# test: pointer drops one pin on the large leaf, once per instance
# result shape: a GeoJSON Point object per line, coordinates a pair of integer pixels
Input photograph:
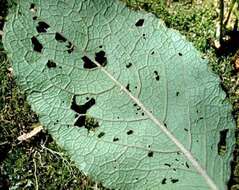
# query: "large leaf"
{"type": "Point", "coordinates": [130, 100]}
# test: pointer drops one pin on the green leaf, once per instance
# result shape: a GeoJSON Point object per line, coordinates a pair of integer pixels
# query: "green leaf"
{"type": "Point", "coordinates": [132, 102]}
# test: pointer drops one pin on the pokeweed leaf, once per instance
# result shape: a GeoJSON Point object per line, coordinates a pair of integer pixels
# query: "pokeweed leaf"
{"type": "Point", "coordinates": [131, 101]}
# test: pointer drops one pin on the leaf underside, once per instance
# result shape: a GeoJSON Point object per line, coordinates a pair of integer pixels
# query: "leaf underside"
{"type": "Point", "coordinates": [54, 45]}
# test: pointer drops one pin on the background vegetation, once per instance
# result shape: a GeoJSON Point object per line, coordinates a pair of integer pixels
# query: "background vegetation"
{"type": "Point", "coordinates": [40, 164]}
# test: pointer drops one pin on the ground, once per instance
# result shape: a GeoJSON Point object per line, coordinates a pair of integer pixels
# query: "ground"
{"type": "Point", "coordinates": [39, 162]}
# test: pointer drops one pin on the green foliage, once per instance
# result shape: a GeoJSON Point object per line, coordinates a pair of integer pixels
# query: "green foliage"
{"type": "Point", "coordinates": [176, 88]}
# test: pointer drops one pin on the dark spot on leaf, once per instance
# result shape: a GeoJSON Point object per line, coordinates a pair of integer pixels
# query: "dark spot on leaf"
{"type": "Point", "coordinates": [37, 46]}
{"type": "Point", "coordinates": [70, 47]}
{"type": "Point", "coordinates": [135, 87]}
{"type": "Point", "coordinates": [136, 178]}
{"type": "Point", "coordinates": [51, 64]}
{"type": "Point", "coordinates": [135, 104]}
{"type": "Point", "coordinates": [150, 154]}
{"type": "Point", "coordinates": [180, 54]}
{"type": "Point", "coordinates": [33, 7]}
{"type": "Point", "coordinates": [115, 139]}
{"type": "Point", "coordinates": [174, 169]}
{"type": "Point", "coordinates": [139, 23]}
{"type": "Point", "coordinates": [60, 38]}
{"type": "Point", "coordinates": [42, 27]}
{"type": "Point", "coordinates": [142, 113]}
{"type": "Point", "coordinates": [176, 159]}
{"type": "Point", "coordinates": [157, 77]}
{"type": "Point", "coordinates": [100, 46]}
{"type": "Point", "coordinates": [177, 93]}
{"type": "Point", "coordinates": [100, 58]}
{"type": "Point", "coordinates": [152, 53]}
{"type": "Point", "coordinates": [128, 65]}
{"type": "Point", "coordinates": [144, 36]}
{"type": "Point", "coordinates": [101, 134]}
{"type": "Point", "coordinates": [163, 181]}
{"type": "Point", "coordinates": [118, 117]}
{"type": "Point", "coordinates": [222, 144]}
{"type": "Point", "coordinates": [88, 64]}
{"type": "Point", "coordinates": [165, 125]}
{"type": "Point", "coordinates": [166, 164]}
{"type": "Point", "coordinates": [174, 180]}
{"type": "Point", "coordinates": [200, 118]}
{"type": "Point", "coordinates": [185, 129]}
{"type": "Point", "coordinates": [187, 165]}
{"type": "Point", "coordinates": [130, 132]}
{"type": "Point", "coordinates": [127, 87]}
{"type": "Point", "coordinates": [149, 146]}
{"type": "Point", "coordinates": [81, 110]}
{"type": "Point", "coordinates": [34, 18]}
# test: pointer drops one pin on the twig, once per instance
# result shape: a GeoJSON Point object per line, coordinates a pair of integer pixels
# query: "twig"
{"type": "Point", "coordinates": [29, 135]}
{"type": "Point", "coordinates": [35, 172]}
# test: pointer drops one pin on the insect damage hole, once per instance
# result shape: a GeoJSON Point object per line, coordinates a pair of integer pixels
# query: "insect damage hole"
{"type": "Point", "coordinates": [81, 110]}
{"type": "Point", "coordinates": [51, 64]}
{"type": "Point", "coordinates": [139, 23]}
{"type": "Point", "coordinates": [42, 27]}
{"type": "Point", "coordinates": [60, 38]}
{"type": "Point", "coordinates": [150, 154]}
{"type": "Point", "coordinates": [101, 134]}
{"type": "Point", "coordinates": [222, 144]}
{"type": "Point", "coordinates": [99, 58]}
{"type": "Point", "coordinates": [157, 77]}
{"type": "Point", "coordinates": [130, 132]}
{"type": "Point", "coordinates": [33, 8]}
{"type": "Point", "coordinates": [37, 46]}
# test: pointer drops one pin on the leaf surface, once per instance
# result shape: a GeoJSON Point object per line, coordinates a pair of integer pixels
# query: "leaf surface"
{"type": "Point", "coordinates": [131, 101]}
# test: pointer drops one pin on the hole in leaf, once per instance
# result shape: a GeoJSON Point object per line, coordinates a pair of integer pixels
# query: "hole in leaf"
{"type": "Point", "coordinates": [70, 47]}
{"type": "Point", "coordinates": [81, 109]}
{"type": "Point", "coordinates": [139, 23]}
{"type": "Point", "coordinates": [222, 144]}
{"type": "Point", "coordinates": [186, 164]}
{"type": "Point", "coordinates": [100, 46]}
{"type": "Point", "coordinates": [51, 64]}
{"type": "Point", "coordinates": [152, 53]}
{"type": "Point", "coordinates": [101, 134]}
{"type": "Point", "coordinates": [128, 65]}
{"type": "Point", "coordinates": [88, 64]}
{"type": "Point", "coordinates": [180, 54]}
{"type": "Point", "coordinates": [166, 164]}
{"type": "Point", "coordinates": [165, 125]}
{"type": "Point", "coordinates": [163, 181]}
{"type": "Point", "coordinates": [33, 8]}
{"type": "Point", "coordinates": [100, 58]}
{"type": "Point", "coordinates": [37, 46]}
{"type": "Point", "coordinates": [157, 77]}
{"type": "Point", "coordinates": [60, 38]}
{"type": "Point", "coordinates": [34, 18]}
{"type": "Point", "coordinates": [150, 154]}
{"type": "Point", "coordinates": [174, 180]}
{"type": "Point", "coordinates": [130, 132]}
{"type": "Point", "coordinates": [115, 139]}
{"type": "Point", "coordinates": [177, 93]}
{"type": "Point", "coordinates": [42, 27]}
{"type": "Point", "coordinates": [127, 87]}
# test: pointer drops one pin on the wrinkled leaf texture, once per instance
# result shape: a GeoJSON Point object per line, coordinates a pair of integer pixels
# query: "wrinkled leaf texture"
{"type": "Point", "coordinates": [82, 61]}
